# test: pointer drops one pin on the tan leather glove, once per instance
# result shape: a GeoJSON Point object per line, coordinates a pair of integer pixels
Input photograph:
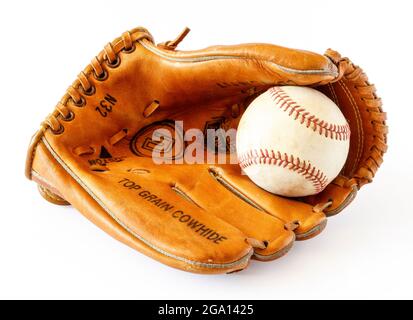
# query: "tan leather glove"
{"type": "Point", "coordinates": [94, 151]}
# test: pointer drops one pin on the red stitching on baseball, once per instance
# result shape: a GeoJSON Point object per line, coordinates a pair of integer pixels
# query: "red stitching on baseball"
{"type": "Point", "coordinates": [270, 157]}
{"type": "Point", "coordinates": [298, 112]}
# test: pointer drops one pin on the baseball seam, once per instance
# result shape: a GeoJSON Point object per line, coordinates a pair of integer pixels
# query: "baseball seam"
{"type": "Point", "coordinates": [299, 113]}
{"type": "Point", "coordinates": [270, 157]}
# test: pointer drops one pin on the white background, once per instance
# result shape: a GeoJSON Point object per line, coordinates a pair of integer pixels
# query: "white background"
{"type": "Point", "coordinates": [48, 251]}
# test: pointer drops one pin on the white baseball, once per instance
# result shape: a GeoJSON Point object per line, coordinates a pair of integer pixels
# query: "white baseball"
{"type": "Point", "coordinates": [292, 141]}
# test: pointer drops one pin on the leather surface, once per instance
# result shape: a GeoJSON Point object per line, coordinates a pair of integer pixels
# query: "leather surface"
{"type": "Point", "coordinates": [94, 150]}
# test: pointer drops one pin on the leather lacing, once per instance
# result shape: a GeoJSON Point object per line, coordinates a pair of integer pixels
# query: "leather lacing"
{"type": "Point", "coordinates": [372, 104]}
{"type": "Point", "coordinates": [98, 68]}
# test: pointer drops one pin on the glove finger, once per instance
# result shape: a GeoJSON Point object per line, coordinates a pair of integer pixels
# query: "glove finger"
{"type": "Point", "coordinates": [267, 234]}
{"type": "Point", "coordinates": [185, 235]}
{"type": "Point", "coordinates": [190, 79]}
{"type": "Point", "coordinates": [306, 221]}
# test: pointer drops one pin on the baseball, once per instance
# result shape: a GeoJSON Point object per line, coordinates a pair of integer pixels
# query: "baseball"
{"type": "Point", "coordinates": [292, 141]}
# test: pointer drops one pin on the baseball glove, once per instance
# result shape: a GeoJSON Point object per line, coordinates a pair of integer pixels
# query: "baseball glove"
{"type": "Point", "coordinates": [95, 150]}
